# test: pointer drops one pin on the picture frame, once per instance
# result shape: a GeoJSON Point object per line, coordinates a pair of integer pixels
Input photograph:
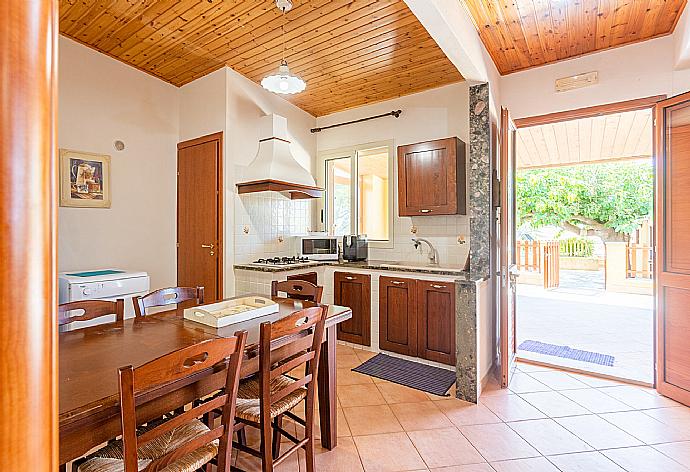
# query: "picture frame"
{"type": "Point", "coordinates": [84, 179]}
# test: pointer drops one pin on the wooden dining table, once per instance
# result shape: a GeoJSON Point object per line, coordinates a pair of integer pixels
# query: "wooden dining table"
{"type": "Point", "coordinates": [90, 357]}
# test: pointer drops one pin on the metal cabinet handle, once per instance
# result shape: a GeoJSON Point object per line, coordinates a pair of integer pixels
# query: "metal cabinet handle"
{"type": "Point", "coordinates": [397, 282]}
{"type": "Point", "coordinates": [425, 211]}
{"type": "Point", "coordinates": [350, 278]}
{"type": "Point", "coordinates": [438, 286]}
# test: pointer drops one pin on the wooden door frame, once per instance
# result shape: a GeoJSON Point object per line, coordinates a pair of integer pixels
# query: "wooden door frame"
{"type": "Point", "coordinates": [609, 109]}
{"type": "Point", "coordinates": [209, 138]}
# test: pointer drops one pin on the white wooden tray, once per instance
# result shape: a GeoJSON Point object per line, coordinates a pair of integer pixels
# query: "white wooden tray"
{"type": "Point", "coordinates": [232, 311]}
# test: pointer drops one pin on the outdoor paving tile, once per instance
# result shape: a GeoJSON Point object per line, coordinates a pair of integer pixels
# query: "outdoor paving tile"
{"type": "Point", "coordinates": [585, 462]}
{"type": "Point", "coordinates": [497, 442]}
{"type": "Point", "coordinates": [597, 432]}
{"type": "Point", "coordinates": [553, 404]}
{"type": "Point", "coordinates": [643, 459]}
{"type": "Point", "coordinates": [548, 437]}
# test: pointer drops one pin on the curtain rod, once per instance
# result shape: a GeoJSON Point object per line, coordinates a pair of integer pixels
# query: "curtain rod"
{"type": "Point", "coordinates": [395, 113]}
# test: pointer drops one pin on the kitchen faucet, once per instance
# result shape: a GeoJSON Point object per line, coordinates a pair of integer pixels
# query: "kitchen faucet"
{"type": "Point", "coordinates": [433, 253]}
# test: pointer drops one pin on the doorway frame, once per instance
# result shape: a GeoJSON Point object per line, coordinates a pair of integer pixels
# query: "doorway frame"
{"type": "Point", "coordinates": [602, 110]}
{"type": "Point", "coordinates": [220, 201]}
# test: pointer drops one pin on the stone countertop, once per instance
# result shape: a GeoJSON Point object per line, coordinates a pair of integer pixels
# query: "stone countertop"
{"type": "Point", "coordinates": [365, 265]}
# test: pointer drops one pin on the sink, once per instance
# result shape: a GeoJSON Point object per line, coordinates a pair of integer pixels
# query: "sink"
{"type": "Point", "coordinates": [420, 265]}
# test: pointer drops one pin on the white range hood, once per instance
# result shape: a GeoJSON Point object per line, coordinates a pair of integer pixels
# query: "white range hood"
{"type": "Point", "coordinates": [274, 168]}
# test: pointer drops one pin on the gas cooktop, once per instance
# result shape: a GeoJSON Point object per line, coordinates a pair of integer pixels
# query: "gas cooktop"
{"type": "Point", "coordinates": [282, 261]}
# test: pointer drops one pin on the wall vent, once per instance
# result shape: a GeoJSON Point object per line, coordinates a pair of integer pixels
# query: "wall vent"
{"type": "Point", "coordinates": [576, 81]}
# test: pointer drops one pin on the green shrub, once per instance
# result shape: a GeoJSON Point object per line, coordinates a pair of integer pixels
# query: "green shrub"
{"type": "Point", "coordinates": [576, 247]}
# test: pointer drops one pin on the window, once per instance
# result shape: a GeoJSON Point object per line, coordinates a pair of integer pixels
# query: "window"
{"type": "Point", "coordinates": [360, 205]}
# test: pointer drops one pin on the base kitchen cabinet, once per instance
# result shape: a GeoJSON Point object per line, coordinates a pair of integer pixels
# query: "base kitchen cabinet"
{"type": "Point", "coordinates": [398, 315]}
{"type": "Point", "coordinates": [436, 321]}
{"type": "Point", "coordinates": [354, 291]}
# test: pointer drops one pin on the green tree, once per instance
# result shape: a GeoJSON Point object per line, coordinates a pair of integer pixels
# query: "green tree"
{"type": "Point", "coordinates": [609, 200]}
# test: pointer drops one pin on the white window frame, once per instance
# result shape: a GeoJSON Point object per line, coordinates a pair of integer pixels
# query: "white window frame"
{"type": "Point", "coordinates": [352, 153]}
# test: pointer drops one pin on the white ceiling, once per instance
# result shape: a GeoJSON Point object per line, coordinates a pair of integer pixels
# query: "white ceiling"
{"type": "Point", "coordinates": [603, 138]}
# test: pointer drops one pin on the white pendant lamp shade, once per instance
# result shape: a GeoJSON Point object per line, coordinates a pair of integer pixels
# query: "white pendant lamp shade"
{"type": "Point", "coordinates": [283, 81]}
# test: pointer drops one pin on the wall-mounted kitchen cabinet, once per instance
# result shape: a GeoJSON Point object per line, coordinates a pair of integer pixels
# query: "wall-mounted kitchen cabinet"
{"type": "Point", "coordinates": [417, 318]}
{"type": "Point", "coordinates": [431, 178]}
{"type": "Point", "coordinates": [354, 290]}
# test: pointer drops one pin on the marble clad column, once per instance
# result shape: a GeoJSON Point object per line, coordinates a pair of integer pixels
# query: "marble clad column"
{"type": "Point", "coordinates": [479, 181]}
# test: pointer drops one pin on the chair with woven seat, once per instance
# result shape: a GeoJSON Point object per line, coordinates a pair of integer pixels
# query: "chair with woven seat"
{"type": "Point", "coordinates": [299, 289]}
{"type": "Point", "coordinates": [168, 296]}
{"type": "Point", "coordinates": [86, 310]}
{"type": "Point", "coordinates": [285, 346]}
{"type": "Point", "coordinates": [181, 443]}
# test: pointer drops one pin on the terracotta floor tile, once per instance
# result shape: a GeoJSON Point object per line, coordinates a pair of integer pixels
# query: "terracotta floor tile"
{"type": "Point", "coordinates": [678, 451]}
{"type": "Point", "coordinates": [444, 447]}
{"type": "Point", "coordinates": [466, 468]}
{"type": "Point", "coordinates": [637, 397]}
{"type": "Point", "coordinates": [597, 432]}
{"type": "Point", "coordinates": [643, 459]}
{"type": "Point", "coordinates": [359, 395]}
{"type": "Point", "coordinates": [524, 383]}
{"type": "Point", "coordinates": [420, 416]}
{"type": "Point", "coordinates": [493, 389]}
{"type": "Point", "coordinates": [450, 393]}
{"type": "Point", "coordinates": [347, 361]}
{"type": "Point", "coordinates": [363, 355]}
{"type": "Point", "coordinates": [464, 414]}
{"type": "Point", "coordinates": [549, 437]}
{"type": "Point", "coordinates": [558, 380]}
{"type": "Point", "coordinates": [553, 404]}
{"type": "Point", "coordinates": [645, 428]}
{"type": "Point", "coordinates": [596, 401]}
{"type": "Point", "coordinates": [348, 377]}
{"type": "Point", "coordinates": [394, 393]}
{"type": "Point", "coordinates": [343, 458]}
{"type": "Point", "coordinates": [585, 462]}
{"type": "Point", "coordinates": [497, 442]}
{"type": "Point", "coordinates": [391, 452]}
{"type": "Point", "coordinates": [535, 464]}
{"type": "Point", "coordinates": [511, 408]}
{"type": "Point", "coordinates": [376, 419]}
{"type": "Point", "coordinates": [343, 349]}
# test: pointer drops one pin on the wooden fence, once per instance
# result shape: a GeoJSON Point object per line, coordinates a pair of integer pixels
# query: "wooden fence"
{"type": "Point", "coordinates": [542, 257]}
{"type": "Point", "coordinates": [638, 262]}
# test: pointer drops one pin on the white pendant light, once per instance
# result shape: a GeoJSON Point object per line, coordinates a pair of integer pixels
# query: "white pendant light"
{"type": "Point", "coordinates": [283, 81]}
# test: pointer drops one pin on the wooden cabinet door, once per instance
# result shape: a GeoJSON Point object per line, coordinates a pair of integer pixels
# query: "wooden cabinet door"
{"type": "Point", "coordinates": [398, 315]}
{"type": "Point", "coordinates": [672, 269]}
{"type": "Point", "coordinates": [436, 321]}
{"type": "Point", "coordinates": [354, 291]}
{"type": "Point", "coordinates": [311, 277]}
{"type": "Point", "coordinates": [428, 178]}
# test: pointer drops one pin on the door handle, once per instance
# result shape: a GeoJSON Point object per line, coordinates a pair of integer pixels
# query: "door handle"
{"type": "Point", "coordinates": [208, 246]}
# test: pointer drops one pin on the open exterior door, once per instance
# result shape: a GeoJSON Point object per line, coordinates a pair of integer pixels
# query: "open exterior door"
{"type": "Point", "coordinates": [508, 268]}
{"type": "Point", "coordinates": [672, 133]}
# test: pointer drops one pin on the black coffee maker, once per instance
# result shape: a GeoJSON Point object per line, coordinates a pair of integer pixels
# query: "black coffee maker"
{"type": "Point", "coordinates": [355, 247]}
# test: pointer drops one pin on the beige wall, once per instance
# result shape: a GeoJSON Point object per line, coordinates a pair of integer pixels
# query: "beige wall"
{"type": "Point", "coordinates": [102, 100]}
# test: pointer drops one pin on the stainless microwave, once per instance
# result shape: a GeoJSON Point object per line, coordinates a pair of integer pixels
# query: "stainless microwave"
{"type": "Point", "coordinates": [319, 248]}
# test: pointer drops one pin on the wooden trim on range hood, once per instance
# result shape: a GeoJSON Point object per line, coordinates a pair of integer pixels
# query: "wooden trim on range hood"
{"type": "Point", "coordinates": [296, 191]}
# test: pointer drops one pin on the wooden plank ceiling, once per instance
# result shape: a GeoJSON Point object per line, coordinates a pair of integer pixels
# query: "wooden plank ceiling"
{"type": "Point", "coordinates": [520, 34]}
{"type": "Point", "coordinates": [617, 136]}
{"type": "Point", "coordinates": [350, 52]}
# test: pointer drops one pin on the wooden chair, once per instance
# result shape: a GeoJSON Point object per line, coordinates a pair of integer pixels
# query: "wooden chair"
{"type": "Point", "coordinates": [262, 400]}
{"type": "Point", "coordinates": [168, 296]}
{"type": "Point", "coordinates": [182, 443]}
{"type": "Point", "coordinates": [299, 289]}
{"type": "Point", "coordinates": [85, 310]}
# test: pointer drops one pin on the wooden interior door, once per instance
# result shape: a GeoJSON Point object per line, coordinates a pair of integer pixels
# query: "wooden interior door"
{"type": "Point", "coordinates": [354, 290]}
{"type": "Point", "coordinates": [508, 268]}
{"type": "Point", "coordinates": [398, 315]}
{"type": "Point", "coordinates": [200, 215]}
{"type": "Point", "coordinates": [673, 247]}
{"type": "Point", "coordinates": [436, 321]}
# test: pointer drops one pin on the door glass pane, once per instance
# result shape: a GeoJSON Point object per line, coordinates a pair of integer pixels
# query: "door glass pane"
{"type": "Point", "coordinates": [339, 195]}
{"type": "Point", "coordinates": [373, 211]}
